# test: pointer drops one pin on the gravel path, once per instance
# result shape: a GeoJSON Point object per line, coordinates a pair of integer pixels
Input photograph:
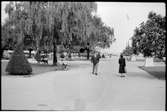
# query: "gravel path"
{"type": "Point", "coordinates": [78, 89]}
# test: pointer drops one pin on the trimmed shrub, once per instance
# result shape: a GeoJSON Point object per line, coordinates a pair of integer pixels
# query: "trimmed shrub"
{"type": "Point", "coordinates": [62, 55]}
{"type": "Point", "coordinates": [18, 64]}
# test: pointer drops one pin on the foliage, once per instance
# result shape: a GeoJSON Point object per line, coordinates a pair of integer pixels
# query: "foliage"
{"type": "Point", "coordinates": [8, 37]}
{"type": "Point", "coordinates": [101, 35]}
{"type": "Point", "coordinates": [18, 64]}
{"type": "Point", "coordinates": [128, 51]}
{"type": "Point", "coordinates": [17, 23]}
{"type": "Point", "coordinates": [49, 24]}
{"type": "Point", "coordinates": [72, 20]}
{"type": "Point", "coordinates": [62, 55]}
{"type": "Point", "coordinates": [149, 37]}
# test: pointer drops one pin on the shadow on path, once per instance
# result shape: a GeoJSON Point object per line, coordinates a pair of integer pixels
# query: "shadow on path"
{"type": "Point", "coordinates": [156, 71]}
{"type": "Point", "coordinates": [136, 74]}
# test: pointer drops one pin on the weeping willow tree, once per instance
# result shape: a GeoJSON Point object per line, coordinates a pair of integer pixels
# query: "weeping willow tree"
{"type": "Point", "coordinates": [75, 23]}
{"type": "Point", "coordinates": [81, 27]}
{"type": "Point", "coordinates": [66, 23]}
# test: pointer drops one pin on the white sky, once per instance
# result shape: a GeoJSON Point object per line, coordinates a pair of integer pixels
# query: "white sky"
{"type": "Point", "coordinates": [123, 17]}
{"type": "Point", "coordinates": [3, 14]}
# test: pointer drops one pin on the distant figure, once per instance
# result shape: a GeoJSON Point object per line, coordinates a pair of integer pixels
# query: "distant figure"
{"type": "Point", "coordinates": [103, 56]}
{"type": "Point", "coordinates": [122, 65]}
{"type": "Point", "coordinates": [95, 60]}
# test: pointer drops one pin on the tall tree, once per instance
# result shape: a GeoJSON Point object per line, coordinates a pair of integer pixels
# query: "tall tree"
{"type": "Point", "coordinates": [71, 23]}
{"type": "Point", "coordinates": [149, 37]}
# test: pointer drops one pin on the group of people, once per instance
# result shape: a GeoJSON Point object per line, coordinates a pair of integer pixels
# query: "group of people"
{"type": "Point", "coordinates": [95, 61]}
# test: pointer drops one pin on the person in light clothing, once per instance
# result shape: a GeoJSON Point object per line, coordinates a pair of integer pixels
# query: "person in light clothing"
{"type": "Point", "coordinates": [95, 60]}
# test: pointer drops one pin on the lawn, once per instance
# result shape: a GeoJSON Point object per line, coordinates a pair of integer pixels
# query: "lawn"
{"type": "Point", "coordinates": [43, 68]}
{"type": "Point", "coordinates": [37, 68]}
{"type": "Point", "coordinates": [156, 71]}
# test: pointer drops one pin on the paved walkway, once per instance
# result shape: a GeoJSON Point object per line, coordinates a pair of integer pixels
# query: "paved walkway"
{"type": "Point", "coordinates": [78, 89]}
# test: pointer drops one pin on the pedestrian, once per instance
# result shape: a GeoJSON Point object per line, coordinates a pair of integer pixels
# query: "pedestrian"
{"type": "Point", "coordinates": [95, 60]}
{"type": "Point", "coordinates": [122, 65]}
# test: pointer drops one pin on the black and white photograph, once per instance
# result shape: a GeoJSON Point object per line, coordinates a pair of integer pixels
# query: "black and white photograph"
{"type": "Point", "coordinates": [83, 56]}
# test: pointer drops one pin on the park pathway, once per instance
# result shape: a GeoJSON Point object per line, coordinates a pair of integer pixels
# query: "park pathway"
{"type": "Point", "coordinates": [78, 89]}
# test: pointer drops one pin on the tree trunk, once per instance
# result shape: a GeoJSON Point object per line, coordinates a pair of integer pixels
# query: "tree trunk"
{"type": "Point", "coordinates": [37, 55]}
{"type": "Point", "coordinates": [54, 53]}
{"type": "Point", "coordinates": [149, 62]}
{"type": "Point", "coordinates": [164, 59]}
{"type": "Point", "coordinates": [2, 50]}
{"type": "Point", "coordinates": [69, 55]}
{"type": "Point", "coordinates": [88, 51]}
{"type": "Point", "coordinates": [30, 53]}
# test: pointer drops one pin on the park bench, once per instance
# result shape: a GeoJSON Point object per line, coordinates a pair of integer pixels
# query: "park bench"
{"type": "Point", "coordinates": [43, 58]}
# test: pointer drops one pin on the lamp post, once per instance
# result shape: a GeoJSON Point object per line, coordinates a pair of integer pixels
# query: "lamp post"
{"type": "Point", "coordinates": [88, 50]}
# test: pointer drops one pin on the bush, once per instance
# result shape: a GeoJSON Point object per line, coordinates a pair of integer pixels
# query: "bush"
{"type": "Point", "coordinates": [82, 50]}
{"type": "Point", "coordinates": [18, 64]}
{"type": "Point", "coordinates": [38, 56]}
{"type": "Point", "coordinates": [158, 60]}
{"type": "Point", "coordinates": [62, 55]}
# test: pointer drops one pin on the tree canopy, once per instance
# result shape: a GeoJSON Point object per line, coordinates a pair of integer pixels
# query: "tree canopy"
{"type": "Point", "coordinates": [149, 37]}
{"type": "Point", "coordinates": [72, 21]}
{"type": "Point", "coordinates": [128, 51]}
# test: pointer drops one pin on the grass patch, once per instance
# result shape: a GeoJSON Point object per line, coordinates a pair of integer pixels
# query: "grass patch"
{"type": "Point", "coordinates": [156, 71]}
{"type": "Point", "coordinates": [42, 68]}
{"type": "Point", "coordinates": [37, 68]}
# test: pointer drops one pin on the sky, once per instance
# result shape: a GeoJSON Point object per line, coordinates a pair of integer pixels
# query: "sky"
{"type": "Point", "coordinates": [3, 14]}
{"type": "Point", "coordinates": [124, 17]}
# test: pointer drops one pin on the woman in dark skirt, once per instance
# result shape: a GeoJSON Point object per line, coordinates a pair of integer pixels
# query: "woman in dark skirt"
{"type": "Point", "coordinates": [122, 65]}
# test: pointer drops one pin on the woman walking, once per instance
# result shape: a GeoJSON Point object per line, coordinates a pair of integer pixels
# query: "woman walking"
{"type": "Point", "coordinates": [122, 65]}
